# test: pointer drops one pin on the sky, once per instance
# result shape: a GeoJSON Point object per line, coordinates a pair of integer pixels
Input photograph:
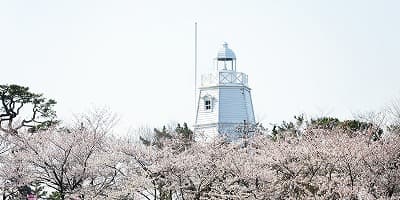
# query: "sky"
{"type": "Point", "coordinates": [333, 58]}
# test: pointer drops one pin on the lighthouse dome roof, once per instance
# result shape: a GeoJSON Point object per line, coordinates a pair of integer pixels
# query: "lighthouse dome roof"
{"type": "Point", "coordinates": [225, 53]}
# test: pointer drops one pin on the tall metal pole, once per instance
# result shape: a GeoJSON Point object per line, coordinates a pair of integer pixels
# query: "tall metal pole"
{"type": "Point", "coordinates": [195, 69]}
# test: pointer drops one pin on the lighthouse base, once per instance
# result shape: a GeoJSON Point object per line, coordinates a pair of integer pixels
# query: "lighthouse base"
{"type": "Point", "coordinates": [229, 131]}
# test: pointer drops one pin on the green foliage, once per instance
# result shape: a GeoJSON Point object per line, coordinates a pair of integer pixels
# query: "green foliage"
{"type": "Point", "coordinates": [299, 120]}
{"type": "Point", "coordinates": [328, 123]}
{"type": "Point", "coordinates": [394, 128]}
{"type": "Point", "coordinates": [158, 138]}
{"type": "Point", "coordinates": [354, 125]}
{"type": "Point", "coordinates": [288, 128]}
{"type": "Point", "coordinates": [165, 194]}
{"type": "Point", "coordinates": [159, 135]}
{"type": "Point", "coordinates": [38, 190]}
{"type": "Point", "coordinates": [22, 192]}
{"type": "Point", "coordinates": [325, 123]}
{"type": "Point", "coordinates": [14, 98]}
{"type": "Point", "coordinates": [55, 196]}
{"type": "Point", "coordinates": [145, 141]}
{"type": "Point", "coordinates": [184, 132]}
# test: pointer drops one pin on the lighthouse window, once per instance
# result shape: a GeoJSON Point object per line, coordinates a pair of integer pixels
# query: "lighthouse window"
{"type": "Point", "coordinates": [207, 104]}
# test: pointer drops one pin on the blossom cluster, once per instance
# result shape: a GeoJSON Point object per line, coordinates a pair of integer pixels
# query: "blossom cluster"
{"type": "Point", "coordinates": [83, 161]}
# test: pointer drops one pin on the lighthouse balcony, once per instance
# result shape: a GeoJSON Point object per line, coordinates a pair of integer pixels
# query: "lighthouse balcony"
{"type": "Point", "coordinates": [228, 78]}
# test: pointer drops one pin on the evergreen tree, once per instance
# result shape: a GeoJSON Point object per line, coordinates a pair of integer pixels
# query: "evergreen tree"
{"type": "Point", "coordinates": [55, 196]}
{"type": "Point", "coordinates": [14, 98]}
{"type": "Point", "coordinates": [158, 138]}
{"type": "Point", "coordinates": [184, 132]}
{"type": "Point", "coordinates": [38, 190]}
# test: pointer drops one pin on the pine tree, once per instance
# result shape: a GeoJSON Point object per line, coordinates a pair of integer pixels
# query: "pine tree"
{"type": "Point", "coordinates": [38, 190]}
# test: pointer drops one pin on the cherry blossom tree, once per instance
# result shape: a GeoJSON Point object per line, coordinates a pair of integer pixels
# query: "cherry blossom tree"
{"type": "Point", "coordinates": [319, 164]}
{"type": "Point", "coordinates": [22, 112]}
{"type": "Point", "coordinates": [324, 159]}
{"type": "Point", "coordinates": [76, 161]}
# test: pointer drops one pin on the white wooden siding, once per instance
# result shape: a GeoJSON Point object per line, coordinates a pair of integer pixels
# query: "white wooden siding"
{"type": "Point", "coordinates": [231, 105]}
{"type": "Point", "coordinates": [207, 116]}
{"type": "Point", "coordinates": [250, 109]}
{"type": "Point", "coordinates": [235, 105]}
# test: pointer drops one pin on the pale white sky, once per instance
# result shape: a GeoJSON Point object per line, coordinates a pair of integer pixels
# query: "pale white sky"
{"type": "Point", "coordinates": [136, 57]}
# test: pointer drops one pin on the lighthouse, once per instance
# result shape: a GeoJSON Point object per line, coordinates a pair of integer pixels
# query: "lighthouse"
{"type": "Point", "coordinates": [224, 101]}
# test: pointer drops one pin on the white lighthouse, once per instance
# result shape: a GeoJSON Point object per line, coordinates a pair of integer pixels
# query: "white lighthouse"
{"type": "Point", "coordinates": [224, 102]}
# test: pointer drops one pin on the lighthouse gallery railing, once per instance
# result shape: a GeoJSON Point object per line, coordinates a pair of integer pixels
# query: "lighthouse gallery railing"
{"type": "Point", "coordinates": [224, 78]}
